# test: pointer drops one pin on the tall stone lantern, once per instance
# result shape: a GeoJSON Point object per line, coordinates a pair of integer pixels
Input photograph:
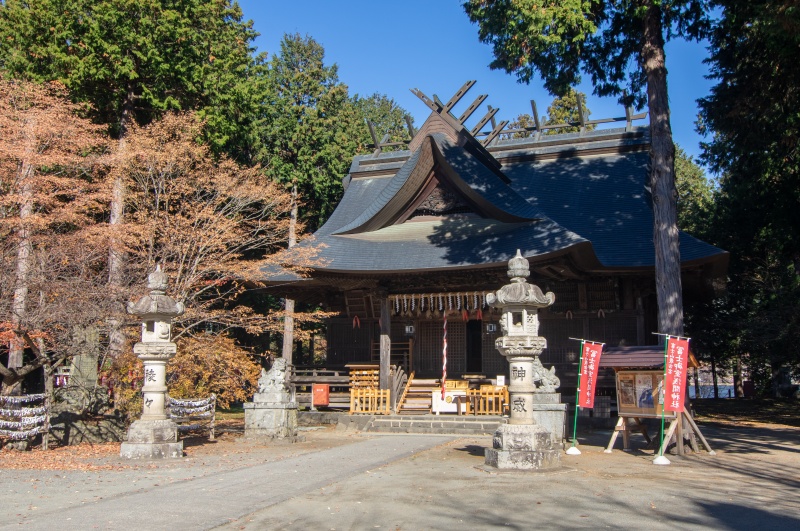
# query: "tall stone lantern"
{"type": "Point", "coordinates": [528, 440]}
{"type": "Point", "coordinates": [154, 436]}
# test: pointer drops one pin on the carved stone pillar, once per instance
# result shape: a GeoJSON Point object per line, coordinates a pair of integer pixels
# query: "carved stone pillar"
{"type": "Point", "coordinates": [154, 436]}
{"type": "Point", "coordinates": [527, 441]}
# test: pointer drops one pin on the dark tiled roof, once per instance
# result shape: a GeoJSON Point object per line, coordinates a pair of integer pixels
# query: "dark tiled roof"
{"type": "Point", "coordinates": [441, 244]}
{"type": "Point", "coordinates": [584, 196]}
{"type": "Point", "coordinates": [648, 356]}
{"type": "Point", "coordinates": [604, 199]}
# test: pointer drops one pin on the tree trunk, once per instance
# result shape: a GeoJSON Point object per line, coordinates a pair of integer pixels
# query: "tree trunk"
{"type": "Point", "coordinates": [662, 178]}
{"type": "Point", "coordinates": [288, 319]}
{"type": "Point", "coordinates": [116, 253]}
{"type": "Point", "coordinates": [714, 376]}
{"type": "Point", "coordinates": [738, 386]}
{"type": "Point", "coordinates": [48, 391]}
{"type": "Point", "coordinates": [19, 302]}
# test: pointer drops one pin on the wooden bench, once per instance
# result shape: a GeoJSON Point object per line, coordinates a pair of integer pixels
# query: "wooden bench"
{"type": "Point", "coordinates": [192, 414]}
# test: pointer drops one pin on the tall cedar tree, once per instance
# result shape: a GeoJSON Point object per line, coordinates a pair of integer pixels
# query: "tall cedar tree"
{"type": "Point", "coordinates": [51, 194]}
{"type": "Point", "coordinates": [306, 142]}
{"type": "Point", "coordinates": [620, 45]}
{"type": "Point", "coordinates": [752, 116]}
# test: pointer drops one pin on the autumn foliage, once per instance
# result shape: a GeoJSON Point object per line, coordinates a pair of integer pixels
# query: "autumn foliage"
{"type": "Point", "coordinates": [211, 224]}
{"type": "Point", "coordinates": [52, 192]}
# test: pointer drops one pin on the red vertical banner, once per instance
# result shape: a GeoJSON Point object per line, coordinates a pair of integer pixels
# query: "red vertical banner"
{"type": "Point", "coordinates": [675, 383]}
{"type": "Point", "coordinates": [589, 367]}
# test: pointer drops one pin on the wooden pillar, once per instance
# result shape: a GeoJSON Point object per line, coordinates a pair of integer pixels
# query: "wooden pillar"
{"type": "Point", "coordinates": [386, 339]}
{"type": "Point", "coordinates": [640, 339]}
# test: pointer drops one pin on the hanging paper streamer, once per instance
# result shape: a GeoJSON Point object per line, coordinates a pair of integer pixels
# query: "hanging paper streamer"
{"type": "Point", "coordinates": [19, 422]}
{"type": "Point", "coordinates": [444, 355]}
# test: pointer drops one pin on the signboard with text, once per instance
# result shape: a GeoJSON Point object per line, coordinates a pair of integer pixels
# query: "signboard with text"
{"type": "Point", "coordinates": [641, 394]}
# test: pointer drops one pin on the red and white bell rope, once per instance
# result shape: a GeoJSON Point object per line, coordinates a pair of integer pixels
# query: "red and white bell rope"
{"type": "Point", "coordinates": [444, 355]}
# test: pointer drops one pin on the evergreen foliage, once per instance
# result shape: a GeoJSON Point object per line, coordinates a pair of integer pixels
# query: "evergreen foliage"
{"type": "Point", "coordinates": [753, 121]}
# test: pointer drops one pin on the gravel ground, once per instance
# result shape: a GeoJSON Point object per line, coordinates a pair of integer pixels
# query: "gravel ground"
{"type": "Point", "coordinates": [346, 480]}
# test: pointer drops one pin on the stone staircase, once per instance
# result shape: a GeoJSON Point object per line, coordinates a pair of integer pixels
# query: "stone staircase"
{"type": "Point", "coordinates": [436, 424]}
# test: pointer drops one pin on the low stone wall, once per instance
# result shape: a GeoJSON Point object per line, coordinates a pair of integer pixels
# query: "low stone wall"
{"type": "Point", "coordinates": [69, 429]}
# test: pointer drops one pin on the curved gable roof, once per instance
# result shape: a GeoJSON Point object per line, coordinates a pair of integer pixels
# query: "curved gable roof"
{"type": "Point", "coordinates": [465, 173]}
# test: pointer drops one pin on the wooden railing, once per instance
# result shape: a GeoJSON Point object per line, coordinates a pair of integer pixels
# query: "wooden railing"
{"type": "Point", "coordinates": [488, 400]}
{"type": "Point", "coordinates": [370, 400]}
{"type": "Point", "coordinates": [398, 380]}
{"type": "Point", "coordinates": [399, 404]}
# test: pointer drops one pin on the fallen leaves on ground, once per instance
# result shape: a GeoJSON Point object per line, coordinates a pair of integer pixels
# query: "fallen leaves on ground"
{"type": "Point", "coordinates": [78, 457]}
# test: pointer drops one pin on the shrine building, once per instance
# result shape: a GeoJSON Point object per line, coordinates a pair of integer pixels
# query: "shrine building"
{"type": "Point", "coordinates": [427, 231]}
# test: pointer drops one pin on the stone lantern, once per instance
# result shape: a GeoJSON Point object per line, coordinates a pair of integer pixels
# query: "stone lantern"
{"type": "Point", "coordinates": [532, 439]}
{"type": "Point", "coordinates": [154, 436]}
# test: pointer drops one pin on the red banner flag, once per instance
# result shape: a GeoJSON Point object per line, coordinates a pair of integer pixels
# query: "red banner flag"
{"type": "Point", "coordinates": [675, 382]}
{"type": "Point", "coordinates": [589, 368]}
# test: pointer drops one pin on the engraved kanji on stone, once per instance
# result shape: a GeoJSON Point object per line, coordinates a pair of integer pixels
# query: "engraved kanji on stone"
{"type": "Point", "coordinates": [519, 405]}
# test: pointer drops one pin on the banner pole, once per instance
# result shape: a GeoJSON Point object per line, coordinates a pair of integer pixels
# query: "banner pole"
{"type": "Point", "coordinates": [660, 459]}
{"type": "Point", "coordinates": [574, 450]}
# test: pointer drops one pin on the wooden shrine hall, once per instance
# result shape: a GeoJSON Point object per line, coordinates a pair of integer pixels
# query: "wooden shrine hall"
{"type": "Point", "coordinates": [428, 230]}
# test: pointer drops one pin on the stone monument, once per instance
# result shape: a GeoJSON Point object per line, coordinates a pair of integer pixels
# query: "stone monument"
{"type": "Point", "coordinates": [273, 411]}
{"type": "Point", "coordinates": [154, 436]}
{"type": "Point", "coordinates": [533, 437]}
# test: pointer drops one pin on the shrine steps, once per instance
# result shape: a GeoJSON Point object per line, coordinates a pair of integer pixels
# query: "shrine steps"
{"type": "Point", "coordinates": [418, 398]}
{"type": "Point", "coordinates": [435, 424]}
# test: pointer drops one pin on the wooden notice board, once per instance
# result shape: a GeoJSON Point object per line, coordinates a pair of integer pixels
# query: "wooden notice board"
{"type": "Point", "coordinates": [640, 393]}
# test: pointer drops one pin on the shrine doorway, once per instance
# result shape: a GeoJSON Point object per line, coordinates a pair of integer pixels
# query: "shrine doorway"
{"type": "Point", "coordinates": [474, 346]}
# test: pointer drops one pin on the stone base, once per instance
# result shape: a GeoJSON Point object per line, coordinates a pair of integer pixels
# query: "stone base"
{"type": "Point", "coordinates": [522, 447]}
{"type": "Point", "coordinates": [270, 420]}
{"type": "Point", "coordinates": [550, 414]}
{"type": "Point", "coordinates": [152, 439]}
{"type": "Point", "coordinates": [152, 451]}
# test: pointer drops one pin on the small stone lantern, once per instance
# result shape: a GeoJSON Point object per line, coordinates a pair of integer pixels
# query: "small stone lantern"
{"type": "Point", "coordinates": [154, 436]}
{"type": "Point", "coordinates": [528, 440]}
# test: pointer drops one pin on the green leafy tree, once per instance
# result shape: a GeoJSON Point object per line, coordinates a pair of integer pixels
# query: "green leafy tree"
{"type": "Point", "coordinates": [751, 115]}
{"type": "Point", "coordinates": [133, 59]}
{"type": "Point", "coordinates": [620, 45]}
{"type": "Point", "coordinates": [562, 110]}
{"type": "Point", "coordinates": [695, 196]}
{"type": "Point", "coordinates": [306, 145]}
{"type": "Point", "coordinates": [386, 116]}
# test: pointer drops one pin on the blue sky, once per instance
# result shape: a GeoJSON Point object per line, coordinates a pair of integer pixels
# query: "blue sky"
{"type": "Point", "coordinates": [390, 47]}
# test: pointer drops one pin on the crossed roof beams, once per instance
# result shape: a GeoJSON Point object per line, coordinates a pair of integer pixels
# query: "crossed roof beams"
{"type": "Point", "coordinates": [444, 110]}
